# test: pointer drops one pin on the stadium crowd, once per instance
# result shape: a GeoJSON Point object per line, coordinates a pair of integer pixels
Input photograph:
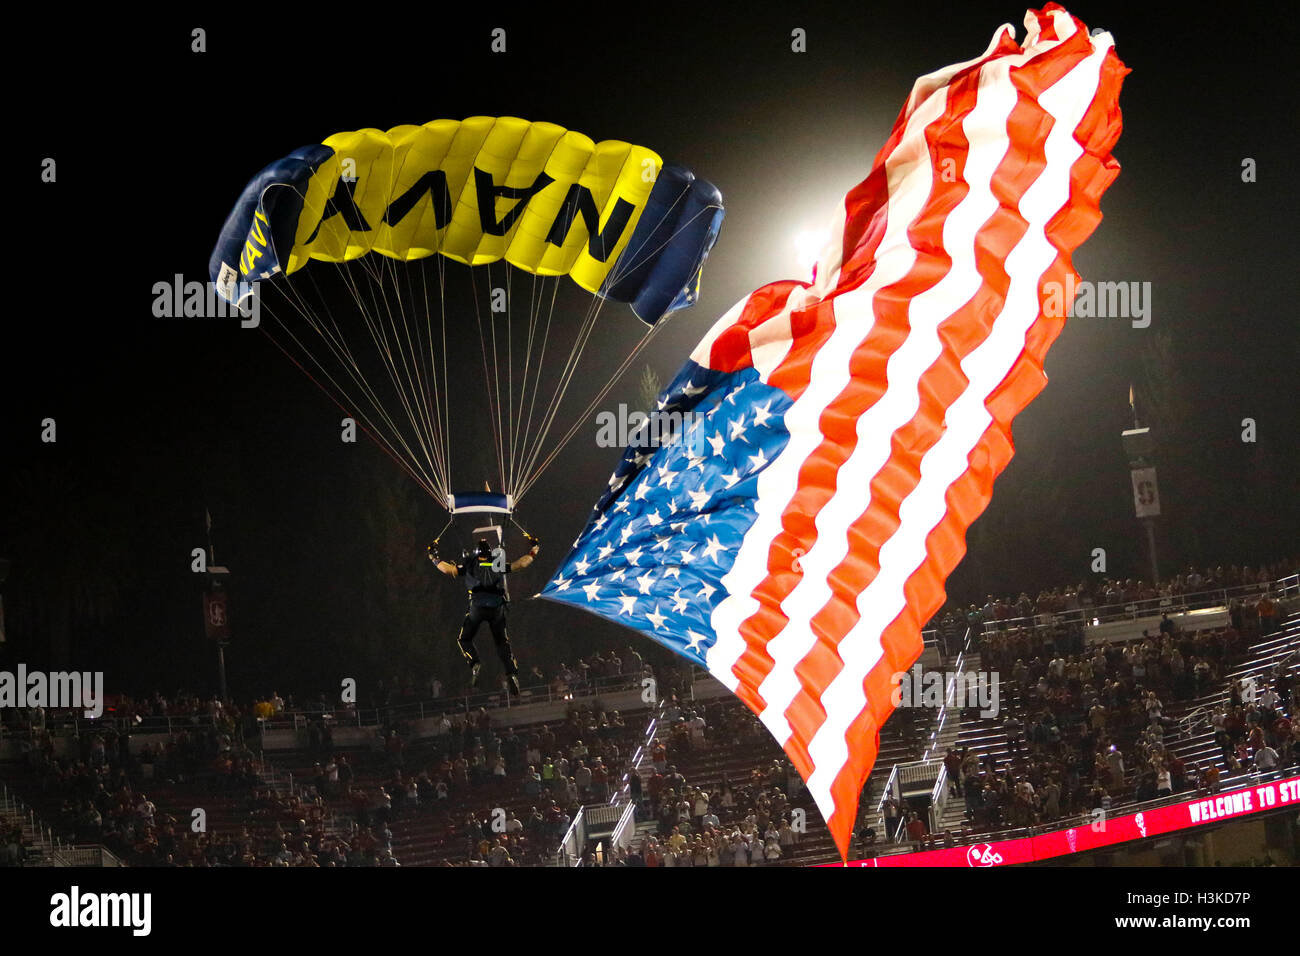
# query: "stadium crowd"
{"type": "Point", "coordinates": [1087, 729]}
{"type": "Point", "coordinates": [749, 822]}
{"type": "Point", "coordinates": [1117, 592]}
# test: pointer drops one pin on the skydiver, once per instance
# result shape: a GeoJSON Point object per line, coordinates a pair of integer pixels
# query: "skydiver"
{"type": "Point", "coordinates": [484, 570]}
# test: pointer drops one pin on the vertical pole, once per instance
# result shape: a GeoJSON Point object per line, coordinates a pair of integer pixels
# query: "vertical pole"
{"type": "Point", "coordinates": [221, 668]}
{"type": "Point", "coordinates": [1151, 551]}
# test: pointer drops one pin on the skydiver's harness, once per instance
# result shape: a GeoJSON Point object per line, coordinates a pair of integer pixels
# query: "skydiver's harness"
{"type": "Point", "coordinates": [487, 585]}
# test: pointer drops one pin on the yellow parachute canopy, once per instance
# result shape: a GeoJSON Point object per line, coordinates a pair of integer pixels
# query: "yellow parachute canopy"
{"type": "Point", "coordinates": [478, 191]}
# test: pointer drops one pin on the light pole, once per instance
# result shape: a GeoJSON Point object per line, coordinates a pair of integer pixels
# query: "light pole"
{"type": "Point", "coordinates": [216, 609]}
{"type": "Point", "coordinates": [1139, 445]}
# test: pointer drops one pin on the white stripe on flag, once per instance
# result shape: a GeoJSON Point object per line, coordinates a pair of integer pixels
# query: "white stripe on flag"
{"type": "Point", "coordinates": [968, 418]}
{"type": "Point", "coordinates": [985, 129]}
{"type": "Point", "coordinates": [910, 176]}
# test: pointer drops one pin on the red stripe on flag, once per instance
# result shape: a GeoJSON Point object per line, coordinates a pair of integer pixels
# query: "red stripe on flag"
{"type": "Point", "coordinates": [970, 493]}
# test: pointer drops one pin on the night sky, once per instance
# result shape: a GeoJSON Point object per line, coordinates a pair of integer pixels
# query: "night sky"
{"type": "Point", "coordinates": [159, 419]}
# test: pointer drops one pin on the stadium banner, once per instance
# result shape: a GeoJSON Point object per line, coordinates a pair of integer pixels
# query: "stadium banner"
{"type": "Point", "coordinates": [1094, 835]}
{"type": "Point", "coordinates": [216, 614]}
{"type": "Point", "coordinates": [1146, 493]}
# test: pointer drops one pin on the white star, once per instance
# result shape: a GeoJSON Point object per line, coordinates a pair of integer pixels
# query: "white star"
{"type": "Point", "coordinates": [600, 523]}
{"type": "Point", "coordinates": [656, 618]}
{"type": "Point", "coordinates": [666, 476]}
{"type": "Point", "coordinates": [634, 556]}
{"type": "Point", "coordinates": [624, 535]}
{"type": "Point", "coordinates": [712, 548]}
{"type": "Point", "coordinates": [654, 519]}
{"type": "Point", "coordinates": [761, 415]}
{"type": "Point", "coordinates": [629, 603]}
{"type": "Point", "coordinates": [679, 602]}
{"type": "Point", "coordinates": [642, 489]}
{"type": "Point", "coordinates": [615, 480]}
{"type": "Point", "coordinates": [562, 584]}
{"type": "Point", "coordinates": [673, 571]}
{"type": "Point", "coordinates": [592, 590]}
{"type": "Point", "coordinates": [717, 441]}
{"type": "Point", "coordinates": [672, 506]}
{"type": "Point", "coordinates": [581, 566]}
{"type": "Point", "coordinates": [687, 556]}
{"type": "Point", "coordinates": [697, 463]}
{"type": "Point", "coordinates": [641, 459]}
{"type": "Point", "coordinates": [759, 460]}
{"type": "Point", "coordinates": [618, 575]}
{"type": "Point", "coordinates": [698, 499]}
{"type": "Point", "coordinates": [707, 590]}
{"type": "Point", "coordinates": [677, 526]}
{"type": "Point", "coordinates": [643, 583]}
{"type": "Point", "coordinates": [738, 429]}
{"type": "Point", "coordinates": [605, 551]}
{"type": "Point", "coordinates": [691, 388]}
{"type": "Point", "coordinates": [732, 478]}
{"type": "Point", "coordinates": [695, 639]}
{"type": "Point", "coordinates": [622, 505]}
{"type": "Point", "coordinates": [663, 541]}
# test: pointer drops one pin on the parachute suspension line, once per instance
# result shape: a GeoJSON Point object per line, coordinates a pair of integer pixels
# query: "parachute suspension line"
{"type": "Point", "coordinates": [507, 481]}
{"type": "Point", "coordinates": [635, 259]}
{"type": "Point", "coordinates": [616, 273]}
{"type": "Point", "coordinates": [591, 406]}
{"type": "Point", "coordinates": [520, 426]}
{"type": "Point", "coordinates": [401, 378]}
{"type": "Point", "coordinates": [425, 398]}
{"type": "Point", "coordinates": [537, 385]}
{"type": "Point", "coordinates": [571, 364]}
{"type": "Point", "coordinates": [437, 396]}
{"type": "Point", "coordinates": [533, 311]}
{"type": "Point", "coordinates": [494, 412]}
{"type": "Point", "coordinates": [420, 388]}
{"type": "Point", "coordinates": [496, 381]}
{"type": "Point", "coordinates": [534, 338]}
{"type": "Point", "coordinates": [343, 354]}
{"type": "Point", "coordinates": [442, 306]}
{"type": "Point", "coordinates": [379, 336]}
{"type": "Point", "coordinates": [375, 434]}
{"type": "Point", "coordinates": [346, 358]}
{"type": "Point", "coordinates": [627, 262]}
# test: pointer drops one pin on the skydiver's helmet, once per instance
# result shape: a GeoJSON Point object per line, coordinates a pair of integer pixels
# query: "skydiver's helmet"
{"type": "Point", "coordinates": [483, 550]}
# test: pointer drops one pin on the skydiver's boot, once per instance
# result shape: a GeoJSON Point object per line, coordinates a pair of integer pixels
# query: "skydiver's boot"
{"type": "Point", "coordinates": [513, 682]}
{"type": "Point", "coordinates": [474, 670]}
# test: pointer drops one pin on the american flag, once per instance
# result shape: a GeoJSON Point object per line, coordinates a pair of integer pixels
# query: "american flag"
{"type": "Point", "coordinates": [795, 533]}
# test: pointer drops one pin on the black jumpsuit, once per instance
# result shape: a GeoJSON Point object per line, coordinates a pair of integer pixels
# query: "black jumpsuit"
{"type": "Point", "coordinates": [488, 600]}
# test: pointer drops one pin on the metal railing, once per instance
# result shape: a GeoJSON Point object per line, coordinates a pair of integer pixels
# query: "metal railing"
{"type": "Point", "coordinates": [570, 849]}
{"type": "Point", "coordinates": [59, 723]}
{"type": "Point", "coordinates": [49, 848]}
{"type": "Point", "coordinates": [300, 718]}
{"type": "Point", "coordinates": [1284, 588]}
{"type": "Point", "coordinates": [625, 828]}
